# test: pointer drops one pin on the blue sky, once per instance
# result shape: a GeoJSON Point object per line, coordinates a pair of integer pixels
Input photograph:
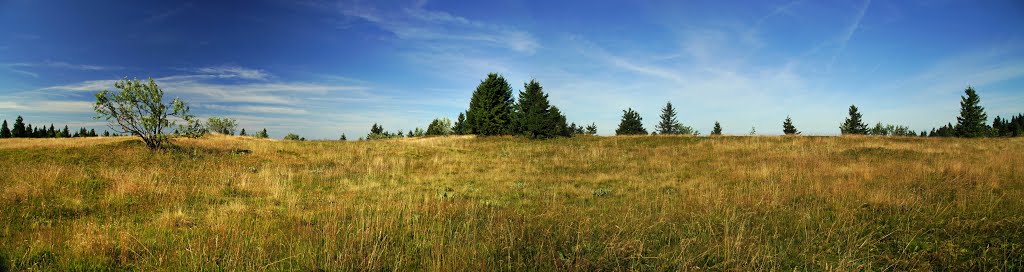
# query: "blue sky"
{"type": "Point", "coordinates": [322, 68]}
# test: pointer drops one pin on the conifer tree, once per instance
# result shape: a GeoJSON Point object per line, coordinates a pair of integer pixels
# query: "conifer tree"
{"type": "Point", "coordinates": [263, 134]}
{"type": "Point", "coordinates": [631, 124]}
{"type": "Point", "coordinates": [558, 124]}
{"type": "Point", "coordinates": [66, 133]}
{"type": "Point", "coordinates": [717, 130]}
{"type": "Point", "coordinates": [4, 131]}
{"type": "Point", "coordinates": [19, 128]}
{"type": "Point", "coordinates": [853, 123]}
{"type": "Point", "coordinates": [106, 133]}
{"type": "Point", "coordinates": [242, 133]}
{"type": "Point", "coordinates": [592, 129]}
{"type": "Point", "coordinates": [972, 120]}
{"type": "Point", "coordinates": [668, 124]}
{"type": "Point", "coordinates": [537, 118]}
{"type": "Point", "coordinates": [459, 128]}
{"type": "Point", "coordinates": [52, 132]}
{"type": "Point", "coordinates": [788, 128]}
{"type": "Point", "coordinates": [28, 132]}
{"type": "Point", "coordinates": [343, 138]}
{"type": "Point", "coordinates": [491, 108]}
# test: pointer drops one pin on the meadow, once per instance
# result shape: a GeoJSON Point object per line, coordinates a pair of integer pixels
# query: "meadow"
{"type": "Point", "coordinates": [649, 203]}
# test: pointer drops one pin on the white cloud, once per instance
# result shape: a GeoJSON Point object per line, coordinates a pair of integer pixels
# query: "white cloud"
{"type": "Point", "coordinates": [419, 24]}
{"type": "Point", "coordinates": [234, 72]}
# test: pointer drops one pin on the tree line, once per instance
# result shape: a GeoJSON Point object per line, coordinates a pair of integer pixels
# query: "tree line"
{"type": "Point", "coordinates": [138, 110]}
{"type": "Point", "coordinates": [22, 130]}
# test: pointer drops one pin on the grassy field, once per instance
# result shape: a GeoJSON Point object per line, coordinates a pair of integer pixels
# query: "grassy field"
{"type": "Point", "coordinates": [482, 204]}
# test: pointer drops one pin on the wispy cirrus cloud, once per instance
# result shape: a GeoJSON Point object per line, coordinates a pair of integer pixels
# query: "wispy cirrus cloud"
{"type": "Point", "coordinates": [25, 67]}
{"type": "Point", "coordinates": [417, 23]}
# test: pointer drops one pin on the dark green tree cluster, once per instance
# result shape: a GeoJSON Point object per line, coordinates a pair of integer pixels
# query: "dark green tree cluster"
{"type": "Point", "coordinates": [972, 121]}
{"type": "Point", "coordinates": [294, 137]}
{"type": "Point", "coordinates": [717, 130]}
{"type": "Point", "coordinates": [891, 130]}
{"type": "Point", "coordinates": [438, 127]}
{"type": "Point", "coordinates": [1013, 127]}
{"type": "Point", "coordinates": [492, 111]}
{"type": "Point", "coordinates": [262, 134]}
{"type": "Point", "coordinates": [22, 130]}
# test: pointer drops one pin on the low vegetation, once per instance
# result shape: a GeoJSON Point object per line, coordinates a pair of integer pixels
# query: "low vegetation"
{"type": "Point", "coordinates": [507, 203]}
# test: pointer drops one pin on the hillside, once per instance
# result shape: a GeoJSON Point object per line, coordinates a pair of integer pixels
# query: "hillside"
{"type": "Point", "coordinates": [502, 203]}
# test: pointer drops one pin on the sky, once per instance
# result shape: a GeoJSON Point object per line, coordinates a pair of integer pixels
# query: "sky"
{"type": "Point", "coordinates": [323, 68]}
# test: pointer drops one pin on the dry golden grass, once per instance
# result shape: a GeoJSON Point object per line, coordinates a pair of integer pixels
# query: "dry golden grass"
{"type": "Point", "coordinates": [467, 203]}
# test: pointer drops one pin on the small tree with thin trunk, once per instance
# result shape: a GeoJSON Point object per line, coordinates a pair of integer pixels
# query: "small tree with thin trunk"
{"type": "Point", "coordinates": [138, 109]}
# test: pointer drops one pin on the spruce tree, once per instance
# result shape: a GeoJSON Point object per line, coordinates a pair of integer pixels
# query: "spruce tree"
{"type": "Point", "coordinates": [490, 109]}
{"type": "Point", "coordinates": [27, 132]}
{"type": "Point", "coordinates": [459, 128]}
{"type": "Point", "coordinates": [19, 128]}
{"type": "Point", "coordinates": [558, 124]}
{"type": "Point", "coordinates": [717, 130]}
{"type": "Point", "coordinates": [52, 132]}
{"type": "Point", "coordinates": [66, 132]}
{"type": "Point", "coordinates": [854, 124]}
{"type": "Point", "coordinates": [592, 129]}
{"type": "Point", "coordinates": [788, 128]}
{"type": "Point", "coordinates": [537, 117]}
{"type": "Point", "coordinates": [668, 124]}
{"type": "Point", "coordinates": [4, 131]}
{"type": "Point", "coordinates": [631, 124]}
{"type": "Point", "coordinates": [263, 134]}
{"type": "Point", "coordinates": [343, 138]}
{"type": "Point", "coordinates": [972, 120]}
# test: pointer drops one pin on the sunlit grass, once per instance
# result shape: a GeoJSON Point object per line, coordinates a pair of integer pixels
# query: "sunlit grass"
{"type": "Point", "coordinates": [501, 203]}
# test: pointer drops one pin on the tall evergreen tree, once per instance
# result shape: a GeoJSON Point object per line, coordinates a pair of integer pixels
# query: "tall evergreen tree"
{"type": "Point", "coordinates": [668, 124]}
{"type": "Point", "coordinates": [717, 130]}
{"type": "Point", "coordinates": [854, 124]}
{"type": "Point", "coordinates": [490, 109]}
{"type": "Point", "coordinates": [263, 134]}
{"type": "Point", "coordinates": [28, 132]}
{"type": "Point", "coordinates": [631, 124]}
{"type": "Point", "coordinates": [5, 132]}
{"type": "Point", "coordinates": [242, 133]}
{"type": "Point", "coordinates": [92, 132]}
{"type": "Point", "coordinates": [52, 132]}
{"type": "Point", "coordinates": [19, 128]}
{"type": "Point", "coordinates": [343, 138]}
{"type": "Point", "coordinates": [66, 132]}
{"type": "Point", "coordinates": [788, 128]}
{"type": "Point", "coordinates": [537, 117]}
{"type": "Point", "coordinates": [972, 120]}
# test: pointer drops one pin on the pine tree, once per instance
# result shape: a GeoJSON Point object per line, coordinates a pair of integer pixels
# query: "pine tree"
{"type": "Point", "coordinates": [66, 133]}
{"type": "Point", "coordinates": [27, 132]}
{"type": "Point", "coordinates": [491, 109]}
{"type": "Point", "coordinates": [533, 112]}
{"type": "Point", "coordinates": [788, 128]}
{"type": "Point", "coordinates": [19, 128]}
{"type": "Point", "coordinates": [92, 132]}
{"type": "Point", "coordinates": [558, 124]}
{"type": "Point", "coordinates": [459, 128]}
{"type": "Point", "coordinates": [4, 131]}
{"type": "Point", "coordinates": [717, 130]}
{"type": "Point", "coordinates": [263, 134]}
{"type": "Point", "coordinates": [668, 124]}
{"type": "Point", "coordinates": [343, 138]}
{"type": "Point", "coordinates": [592, 129]}
{"type": "Point", "coordinates": [972, 120]}
{"type": "Point", "coordinates": [242, 133]}
{"type": "Point", "coordinates": [52, 132]}
{"type": "Point", "coordinates": [106, 133]}
{"type": "Point", "coordinates": [854, 124]}
{"type": "Point", "coordinates": [631, 124]}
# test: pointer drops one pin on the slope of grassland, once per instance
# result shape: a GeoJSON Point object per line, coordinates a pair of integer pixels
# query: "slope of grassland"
{"type": "Point", "coordinates": [483, 204]}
